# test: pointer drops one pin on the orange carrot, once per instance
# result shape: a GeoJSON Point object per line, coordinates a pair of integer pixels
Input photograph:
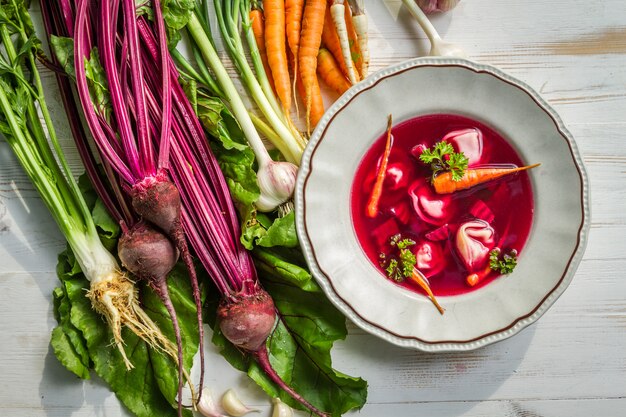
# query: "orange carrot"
{"type": "Point", "coordinates": [317, 103]}
{"type": "Point", "coordinates": [372, 204]}
{"type": "Point", "coordinates": [330, 40]}
{"type": "Point", "coordinates": [421, 280]}
{"type": "Point", "coordinates": [310, 40]}
{"type": "Point", "coordinates": [444, 184]}
{"type": "Point", "coordinates": [329, 71]}
{"type": "Point", "coordinates": [355, 50]}
{"type": "Point", "coordinates": [275, 44]}
{"type": "Point", "coordinates": [258, 28]}
{"type": "Point", "coordinates": [293, 23]}
{"type": "Point", "coordinates": [476, 277]}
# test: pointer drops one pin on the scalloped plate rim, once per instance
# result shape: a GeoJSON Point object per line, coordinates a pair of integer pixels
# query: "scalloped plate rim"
{"type": "Point", "coordinates": [413, 341]}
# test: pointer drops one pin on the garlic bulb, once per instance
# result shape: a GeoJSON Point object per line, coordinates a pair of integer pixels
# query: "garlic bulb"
{"type": "Point", "coordinates": [277, 181]}
{"type": "Point", "coordinates": [281, 409]}
{"type": "Point", "coordinates": [433, 6]}
{"type": "Point", "coordinates": [233, 405]}
{"type": "Point", "coordinates": [207, 406]}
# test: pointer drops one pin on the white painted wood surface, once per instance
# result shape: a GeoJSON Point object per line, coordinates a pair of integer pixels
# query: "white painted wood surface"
{"type": "Point", "coordinates": [571, 363]}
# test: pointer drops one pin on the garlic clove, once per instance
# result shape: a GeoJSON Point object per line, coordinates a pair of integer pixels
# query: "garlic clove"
{"type": "Point", "coordinates": [281, 409]}
{"type": "Point", "coordinates": [435, 6]}
{"type": "Point", "coordinates": [233, 405]}
{"type": "Point", "coordinates": [207, 406]}
{"type": "Point", "coordinates": [277, 181]}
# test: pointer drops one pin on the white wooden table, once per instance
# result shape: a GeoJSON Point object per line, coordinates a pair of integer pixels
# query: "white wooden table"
{"type": "Point", "coordinates": [571, 363]}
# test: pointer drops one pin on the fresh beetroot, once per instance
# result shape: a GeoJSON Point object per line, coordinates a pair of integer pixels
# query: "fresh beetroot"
{"type": "Point", "coordinates": [157, 200]}
{"type": "Point", "coordinates": [135, 146]}
{"type": "Point", "coordinates": [146, 252]}
{"type": "Point", "coordinates": [152, 139]}
{"type": "Point", "coordinates": [246, 320]}
{"type": "Point", "coordinates": [150, 256]}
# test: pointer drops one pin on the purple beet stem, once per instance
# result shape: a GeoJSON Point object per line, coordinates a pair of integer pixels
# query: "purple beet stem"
{"type": "Point", "coordinates": [208, 215]}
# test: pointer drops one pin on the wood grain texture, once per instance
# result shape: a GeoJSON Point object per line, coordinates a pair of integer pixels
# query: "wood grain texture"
{"type": "Point", "coordinates": [571, 363]}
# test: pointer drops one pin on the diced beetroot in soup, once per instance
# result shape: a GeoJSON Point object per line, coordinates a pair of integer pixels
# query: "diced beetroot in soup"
{"type": "Point", "coordinates": [474, 241]}
{"type": "Point", "coordinates": [468, 141]}
{"type": "Point", "coordinates": [430, 258]}
{"type": "Point", "coordinates": [499, 213]}
{"type": "Point", "coordinates": [429, 206]}
{"type": "Point", "coordinates": [385, 231]}
{"type": "Point", "coordinates": [400, 210]}
{"type": "Point", "coordinates": [439, 234]}
{"type": "Point", "coordinates": [481, 211]}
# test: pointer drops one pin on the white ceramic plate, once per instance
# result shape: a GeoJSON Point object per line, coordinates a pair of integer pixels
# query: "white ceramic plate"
{"type": "Point", "coordinates": [501, 308]}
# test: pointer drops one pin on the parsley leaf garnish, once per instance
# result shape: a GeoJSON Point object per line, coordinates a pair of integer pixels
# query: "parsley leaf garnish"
{"type": "Point", "coordinates": [443, 158]}
{"type": "Point", "coordinates": [400, 265]}
{"type": "Point", "coordinates": [504, 264]}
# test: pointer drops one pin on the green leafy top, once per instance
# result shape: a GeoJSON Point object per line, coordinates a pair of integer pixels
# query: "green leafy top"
{"type": "Point", "coordinates": [442, 157]}
{"type": "Point", "coordinates": [503, 264]}
{"type": "Point", "coordinates": [399, 265]}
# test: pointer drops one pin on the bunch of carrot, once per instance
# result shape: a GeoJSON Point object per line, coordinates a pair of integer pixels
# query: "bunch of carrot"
{"type": "Point", "coordinates": [298, 41]}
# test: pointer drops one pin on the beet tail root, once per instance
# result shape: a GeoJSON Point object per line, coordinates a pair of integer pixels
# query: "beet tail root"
{"type": "Point", "coordinates": [150, 256]}
{"type": "Point", "coordinates": [181, 244]}
{"type": "Point", "coordinates": [246, 320]}
{"type": "Point", "coordinates": [160, 288]}
{"type": "Point", "coordinates": [262, 359]}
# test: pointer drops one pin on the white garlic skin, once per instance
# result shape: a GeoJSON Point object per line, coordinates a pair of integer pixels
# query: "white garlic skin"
{"type": "Point", "coordinates": [207, 406]}
{"type": "Point", "coordinates": [277, 181]}
{"type": "Point", "coordinates": [281, 409]}
{"type": "Point", "coordinates": [434, 6]}
{"type": "Point", "coordinates": [233, 405]}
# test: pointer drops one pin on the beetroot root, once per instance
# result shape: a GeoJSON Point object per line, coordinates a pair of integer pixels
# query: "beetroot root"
{"type": "Point", "coordinates": [157, 200]}
{"type": "Point", "coordinates": [150, 256]}
{"type": "Point", "coordinates": [247, 320]}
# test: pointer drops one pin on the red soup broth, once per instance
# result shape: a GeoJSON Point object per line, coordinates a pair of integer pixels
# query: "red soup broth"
{"type": "Point", "coordinates": [506, 204]}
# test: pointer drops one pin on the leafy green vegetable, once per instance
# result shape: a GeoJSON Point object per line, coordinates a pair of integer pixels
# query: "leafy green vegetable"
{"type": "Point", "coordinates": [63, 50]}
{"type": "Point", "coordinates": [443, 158]}
{"type": "Point", "coordinates": [299, 348]}
{"type": "Point", "coordinates": [82, 341]}
{"type": "Point", "coordinates": [504, 264]}
{"type": "Point", "coordinates": [67, 341]}
{"type": "Point", "coordinates": [399, 265]}
{"type": "Point", "coordinates": [98, 84]}
{"type": "Point", "coordinates": [301, 343]}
